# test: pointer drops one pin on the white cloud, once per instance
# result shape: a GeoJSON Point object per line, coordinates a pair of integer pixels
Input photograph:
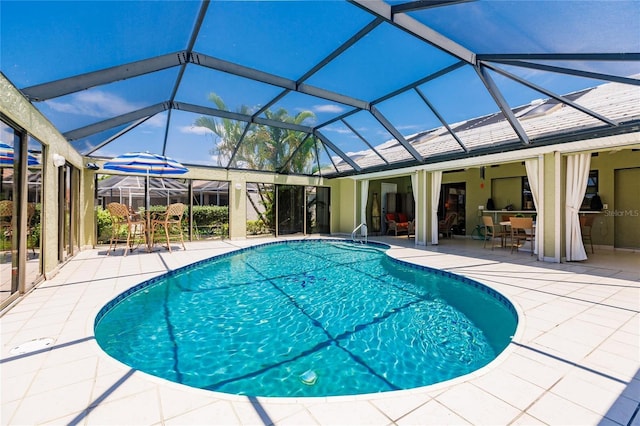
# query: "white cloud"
{"type": "Point", "coordinates": [158, 120]}
{"type": "Point", "coordinates": [408, 127]}
{"type": "Point", "coordinates": [328, 108]}
{"type": "Point", "coordinates": [195, 130]}
{"type": "Point", "coordinates": [95, 103]}
{"type": "Point", "coordinates": [339, 130]}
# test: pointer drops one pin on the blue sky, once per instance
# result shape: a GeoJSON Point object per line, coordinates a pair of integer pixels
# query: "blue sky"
{"type": "Point", "coordinates": [58, 39]}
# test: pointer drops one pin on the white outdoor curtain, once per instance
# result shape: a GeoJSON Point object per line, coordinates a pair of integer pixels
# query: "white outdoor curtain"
{"type": "Point", "coordinates": [577, 177]}
{"type": "Point", "coordinates": [531, 165]}
{"type": "Point", "coordinates": [364, 188]}
{"type": "Point", "coordinates": [414, 189]}
{"type": "Point", "coordinates": [436, 180]}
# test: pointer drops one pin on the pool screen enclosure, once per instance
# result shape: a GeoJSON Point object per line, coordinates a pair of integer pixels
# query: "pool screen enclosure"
{"type": "Point", "coordinates": [325, 88]}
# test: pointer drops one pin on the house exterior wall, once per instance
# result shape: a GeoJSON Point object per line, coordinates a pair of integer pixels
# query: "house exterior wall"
{"type": "Point", "coordinates": [606, 164]}
{"type": "Point", "coordinates": [614, 153]}
{"type": "Point", "coordinates": [344, 205]}
{"type": "Point", "coordinates": [19, 110]}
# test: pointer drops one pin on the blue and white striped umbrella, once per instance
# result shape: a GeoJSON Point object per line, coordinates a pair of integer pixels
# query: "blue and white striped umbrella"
{"type": "Point", "coordinates": [145, 163]}
{"type": "Point", "coordinates": [6, 156]}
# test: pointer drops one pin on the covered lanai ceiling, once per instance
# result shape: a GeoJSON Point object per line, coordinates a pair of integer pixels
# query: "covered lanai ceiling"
{"type": "Point", "coordinates": [325, 87]}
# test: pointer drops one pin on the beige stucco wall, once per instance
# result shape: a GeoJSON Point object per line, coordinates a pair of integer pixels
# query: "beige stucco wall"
{"type": "Point", "coordinates": [344, 205]}
{"type": "Point", "coordinates": [606, 164]}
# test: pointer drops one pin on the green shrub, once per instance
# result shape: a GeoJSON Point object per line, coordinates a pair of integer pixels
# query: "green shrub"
{"type": "Point", "coordinates": [207, 220]}
{"type": "Point", "coordinates": [256, 227]}
{"type": "Point", "coordinates": [103, 221]}
{"type": "Point", "coordinates": [222, 231]}
{"type": "Point", "coordinates": [210, 215]}
{"type": "Point", "coordinates": [211, 221]}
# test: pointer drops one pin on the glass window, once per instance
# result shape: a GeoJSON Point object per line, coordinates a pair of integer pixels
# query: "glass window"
{"type": "Point", "coordinates": [260, 209]}
{"type": "Point", "coordinates": [8, 223]}
{"type": "Point", "coordinates": [210, 209]}
{"type": "Point", "coordinates": [68, 211]}
{"type": "Point", "coordinates": [34, 213]}
{"type": "Point", "coordinates": [318, 219]}
{"type": "Point", "coordinates": [527, 196]}
{"type": "Point", "coordinates": [592, 190]}
{"type": "Point", "coordinates": [290, 209]}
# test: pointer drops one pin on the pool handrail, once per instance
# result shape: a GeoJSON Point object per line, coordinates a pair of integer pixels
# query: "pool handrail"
{"type": "Point", "coordinates": [363, 232]}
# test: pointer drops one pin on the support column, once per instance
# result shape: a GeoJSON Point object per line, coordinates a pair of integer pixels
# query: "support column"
{"type": "Point", "coordinates": [422, 204]}
{"type": "Point", "coordinates": [550, 209]}
{"type": "Point", "coordinates": [428, 178]}
{"type": "Point", "coordinates": [237, 209]}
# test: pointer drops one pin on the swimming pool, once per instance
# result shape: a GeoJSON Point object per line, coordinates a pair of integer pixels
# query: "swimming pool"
{"type": "Point", "coordinates": [306, 318]}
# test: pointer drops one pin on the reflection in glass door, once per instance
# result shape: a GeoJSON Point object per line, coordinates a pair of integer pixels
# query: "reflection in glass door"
{"type": "Point", "coordinates": [20, 201]}
{"type": "Point", "coordinates": [317, 210]}
{"type": "Point", "coordinates": [290, 209]}
{"type": "Point", "coordinates": [8, 214]}
{"type": "Point", "coordinates": [260, 209]}
{"type": "Point", "coordinates": [453, 202]}
{"type": "Point", "coordinates": [34, 214]}
{"type": "Point", "coordinates": [287, 210]}
{"type": "Point", "coordinates": [68, 211]}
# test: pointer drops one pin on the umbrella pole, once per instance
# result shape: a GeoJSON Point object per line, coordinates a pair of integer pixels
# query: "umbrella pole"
{"type": "Point", "coordinates": [147, 213]}
{"type": "Point", "coordinates": [147, 198]}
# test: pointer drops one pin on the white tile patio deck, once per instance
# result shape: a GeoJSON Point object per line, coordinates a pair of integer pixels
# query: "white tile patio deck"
{"type": "Point", "coordinates": [574, 360]}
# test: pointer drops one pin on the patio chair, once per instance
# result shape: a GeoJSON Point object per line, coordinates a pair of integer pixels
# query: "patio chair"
{"type": "Point", "coordinates": [399, 225]}
{"type": "Point", "coordinates": [586, 223]}
{"type": "Point", "coordinates": [445, 226]}
{"type": "Point", "coordinates": [493, 231]}
{"type": "Point", "coordinates": [170, 219]}
{"type": "Point", "coordinates": [522, 230]}
{"type": "Point", "coordinates": [122, 217]}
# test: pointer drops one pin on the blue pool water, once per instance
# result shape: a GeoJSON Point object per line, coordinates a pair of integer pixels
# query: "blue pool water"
{"type": "Point", "coordinates": [306, 318]}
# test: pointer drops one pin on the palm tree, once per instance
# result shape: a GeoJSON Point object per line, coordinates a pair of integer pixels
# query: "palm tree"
{"type": "Point", "coordinates": [262, 148]}
{"type": "Point", "coordinates": [229, 131]}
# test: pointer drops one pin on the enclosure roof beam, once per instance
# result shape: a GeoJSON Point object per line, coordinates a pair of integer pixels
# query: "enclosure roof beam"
{"type": "Point", "coordinates": [355, 132]}
{"type": "Point", "coordinates": [441, 118]}
{"type": "Point", "coordinates": [617, 57]}
{"type": "Point", "coordinates": [192, 41]}
{"type": "Point", "coordinates": [337, 150]}
{"type": "Point", "coordinates": [198, 109]}
{"type": "Point", "coordinates": [65, 86]}
{"type": "Point", "coordinates": [116, 121]}
{"type": "Point", "coordinates": [282, 169]}
{"type": "Point", "coordinates": [285, 83]}
{"type": "Point", "coordinates": [413, 6]}
{"type": "Point", "coordinates": [118, 134]}
{"type": "Point", "coordinates": [237, 147]}
{"type": "Point", "coordinates": [395, 133]}
{"type": "Point", "coordinates": [502, 103]}
{"type": "Point", "coordinates": [568, 71]}
{"type": "Point", "coordinates": [553, 95]}
{"type": "Point", "coordinates": [416, 28]}
{"type": "Point", "coordinates": [420, 82]}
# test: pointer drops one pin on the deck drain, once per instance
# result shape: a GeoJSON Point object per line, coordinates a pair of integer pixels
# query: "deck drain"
{"type": "Point", "coordinates": [32, 346]}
